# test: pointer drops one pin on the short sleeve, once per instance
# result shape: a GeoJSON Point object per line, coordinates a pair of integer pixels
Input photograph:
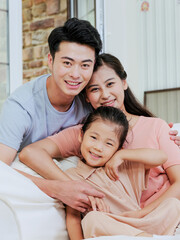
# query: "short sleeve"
{"type": "Point", "coordinates": [15, 123]}
{"type": "Point", "coordinates": [167, 145]}
{"type": "Point", "coordinates": [67, 141]}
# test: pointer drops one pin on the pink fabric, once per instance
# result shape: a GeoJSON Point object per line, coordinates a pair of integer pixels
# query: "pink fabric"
{"type": "Point", "coordinates": [154, 133]}
{"type": "Point", "coordinates": [67, 141]}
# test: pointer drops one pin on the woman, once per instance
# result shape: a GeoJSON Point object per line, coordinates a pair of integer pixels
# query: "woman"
{"type": "Point", "coordinates": [108, 87]}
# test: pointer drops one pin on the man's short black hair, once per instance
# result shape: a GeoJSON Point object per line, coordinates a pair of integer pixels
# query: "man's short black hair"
{"type": "Point", "coordinates": [75, 30]}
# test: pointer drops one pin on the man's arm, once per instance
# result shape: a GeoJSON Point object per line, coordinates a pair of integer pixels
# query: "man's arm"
{"type": "Point", "coordinates": [73, 223]}
{"type": "Point", "coordinates": [7, 154]}
{"type": "Point", "coordinates": [38, 156]}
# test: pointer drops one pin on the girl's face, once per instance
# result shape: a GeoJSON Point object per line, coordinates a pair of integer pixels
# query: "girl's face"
{"type": "Point", "coordinates": [106, 89]}
{"type": "Point", "coordinates": [99, 143]}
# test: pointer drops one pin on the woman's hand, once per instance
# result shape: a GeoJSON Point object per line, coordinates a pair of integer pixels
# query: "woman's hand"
{"type": "Point", "coordinates": [98, 204]}
{"type": "Point", "coordinates": [111, 167]}
{"type": "Point", "coordinates": [173, 135]}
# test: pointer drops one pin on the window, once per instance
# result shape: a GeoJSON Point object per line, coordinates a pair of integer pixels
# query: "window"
{"type": "Point", "coordinates": [10, 47]}
{"type": "Point", "coordinates": [87, 10]}
{"type": "Point", "coordinates": [4, 56]}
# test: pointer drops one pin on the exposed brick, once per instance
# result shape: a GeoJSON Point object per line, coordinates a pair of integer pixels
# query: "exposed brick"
{"type": "Point", "coordinates": [26, 4]}
{"type": "Point", "coordinates": [27, 39]}
{"type": "Point", "coordinates": [63, 5]}
{"type": "Point", "coordinates": [39, 37]}
{"type": "Point", "coordinates": [25, 27]}
{"type": "Point", "coordinates": [27, 74]}
{"type": "Point", "coordinates": [35, 64]}
{"type": "Point", "coordinates": [42, 24]}
{"type": "Point", "coordinates": [40, 71]}
{"type": "Point", "coordinates": [27, 54]}
{"type": "Point", "coordinates": [38, 52]}
{"type": "Point", "coordinates": [25, 65]}
{"type": "Point", "coordinates": [60, 20]}
{"type": "Point", "coordinates": [53, 6]}
{"type": "Point", "coordinates": [45, 50]}
{"type": "Point", "coordinates": [27, 15]}
{"type": "Point", "coordinates": [38, 1]}
{"type": "Point", "coordinates": [38, 10]}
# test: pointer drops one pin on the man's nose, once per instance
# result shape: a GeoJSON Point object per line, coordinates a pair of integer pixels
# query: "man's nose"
{"type": "Point", "coordinates": [75, 72]}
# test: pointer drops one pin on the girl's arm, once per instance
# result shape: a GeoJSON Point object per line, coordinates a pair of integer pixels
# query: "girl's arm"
{"type": "Point", "coordinates": [149, 157]}
{"type": "Point", "coordinates": [73, 223]}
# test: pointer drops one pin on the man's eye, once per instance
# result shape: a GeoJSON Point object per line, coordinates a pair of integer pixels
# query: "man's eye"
{"type": "Point", "coordinates": [67, 63]}
{"type": "Point", "coordinates": [86, 65]}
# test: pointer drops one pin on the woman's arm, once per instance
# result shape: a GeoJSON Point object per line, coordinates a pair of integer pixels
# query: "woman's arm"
{"type": "Point", "coordinates": [172, 191]}
{"type": "Point", "coordinates": [73, 223]}
{"type": "Point", "coordinates": [149, 157]}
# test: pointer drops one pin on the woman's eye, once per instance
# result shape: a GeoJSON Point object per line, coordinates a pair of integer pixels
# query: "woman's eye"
{"type": "Point", "coordinates": [110, 84]}
{"type": "Point", "coordinates": [93, 137]}
{"type": "Point", "coordinates": [94, 89]}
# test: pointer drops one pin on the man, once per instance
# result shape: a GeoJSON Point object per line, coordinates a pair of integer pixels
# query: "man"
{"type": "Point", "coordinates": [51, 103]}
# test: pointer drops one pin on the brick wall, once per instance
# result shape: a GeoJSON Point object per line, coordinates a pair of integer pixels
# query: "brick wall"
{"type": "Point", "coordinates": [39, 18]}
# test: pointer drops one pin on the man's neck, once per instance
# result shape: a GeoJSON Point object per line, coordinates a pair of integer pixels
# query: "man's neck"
{"type": "Point", "coordinates": [58, 100]}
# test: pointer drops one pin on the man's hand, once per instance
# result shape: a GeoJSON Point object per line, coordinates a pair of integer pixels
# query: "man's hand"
{"type": "Point", "coordinates": [173, 135]}
{"type": "Point", "coordinates": [98, 204]}
{"type": "Point", "coordinates": [73, 193]}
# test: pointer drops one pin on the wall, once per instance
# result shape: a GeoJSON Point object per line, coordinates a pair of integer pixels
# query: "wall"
{"type": "Point", "coordinates": [39, 18]}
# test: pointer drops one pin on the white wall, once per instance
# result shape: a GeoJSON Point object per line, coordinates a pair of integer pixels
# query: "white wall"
{"type": "Point", "coordinates": [121, 38]}
{"type": "Point", "coordinates": [147, 43]}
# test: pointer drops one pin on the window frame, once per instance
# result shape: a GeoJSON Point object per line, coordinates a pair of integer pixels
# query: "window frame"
{"type": "Point", "coordinates": [15, 44]}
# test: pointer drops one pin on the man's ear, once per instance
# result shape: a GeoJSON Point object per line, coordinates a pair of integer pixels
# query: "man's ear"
{"type": "Point", "coordinates": [80, 137]}
{"type": "Point", "coordinates": [50, 61]}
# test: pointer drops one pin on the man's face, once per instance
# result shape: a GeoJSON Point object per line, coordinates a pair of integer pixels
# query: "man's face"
{"type": "Point", "coordinates": [71, 68]}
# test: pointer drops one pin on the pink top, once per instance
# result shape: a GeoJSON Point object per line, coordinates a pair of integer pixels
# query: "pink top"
{"type": "Point", "coordinates": [147, 133]}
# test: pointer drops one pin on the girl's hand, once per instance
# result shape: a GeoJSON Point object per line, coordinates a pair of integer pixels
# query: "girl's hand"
{"type": "Point", "coordinates": [111, 167]}
{"type": "Point", "coordinates": [98, 204]}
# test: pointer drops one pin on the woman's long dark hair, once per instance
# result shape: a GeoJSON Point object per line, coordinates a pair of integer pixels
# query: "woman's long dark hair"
{"type": "Point", "coordinates": [132, 105]}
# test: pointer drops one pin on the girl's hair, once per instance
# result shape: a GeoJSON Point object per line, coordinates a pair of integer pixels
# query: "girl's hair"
{"type": "Point", "coordinates": [113, 115]}
{"type": "Point", "coordinates": [132, 105]}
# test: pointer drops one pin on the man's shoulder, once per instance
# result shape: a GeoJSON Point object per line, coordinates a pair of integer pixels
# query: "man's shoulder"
{"type": "Point", "coordinates": [27, 91]}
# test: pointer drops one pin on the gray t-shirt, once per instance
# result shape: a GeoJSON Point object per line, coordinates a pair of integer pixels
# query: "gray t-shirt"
{"type": "Point", "coordinates": [28, 116]}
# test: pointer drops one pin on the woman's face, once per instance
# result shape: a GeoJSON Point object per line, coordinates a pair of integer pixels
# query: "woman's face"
{"type": "Point", "coordinates": [106, 89]}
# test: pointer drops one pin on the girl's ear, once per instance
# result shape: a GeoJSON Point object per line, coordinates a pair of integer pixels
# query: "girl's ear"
{"type": "Point", "coordinates": [125, 85]}
{"type": "Point", "coordinates": [80, 137]}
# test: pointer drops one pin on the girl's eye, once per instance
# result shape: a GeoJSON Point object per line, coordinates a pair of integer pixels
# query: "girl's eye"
{"type": "Point", "coordinates": [110, 144]}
